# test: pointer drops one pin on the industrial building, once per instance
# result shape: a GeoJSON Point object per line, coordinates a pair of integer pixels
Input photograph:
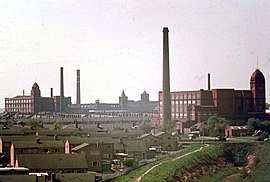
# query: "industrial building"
{"type": "Point", "coordinates": [199, 105]}
{"type": "Point", "coordinates": [143, 106]}
{"type": "Point", "coordinates": [35, 103]}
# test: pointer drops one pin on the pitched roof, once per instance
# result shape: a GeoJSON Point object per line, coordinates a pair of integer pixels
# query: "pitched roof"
{"type": "Point", "coordinates": [80, 146]}
{"type": "Point", "coordinates": [52, 161]}
{"type": "Point", "coordinates": [136, 146]}
{"type": "Point", "coordinates": [41, 144]}
{"type": "Point", "coordinates": [161, 133]}
{"type": "Point", "coordinates": [144, 135]}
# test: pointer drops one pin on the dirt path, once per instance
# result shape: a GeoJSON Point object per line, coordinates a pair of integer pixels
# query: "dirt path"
{"type": "Point", "coordinates": [179, 157]}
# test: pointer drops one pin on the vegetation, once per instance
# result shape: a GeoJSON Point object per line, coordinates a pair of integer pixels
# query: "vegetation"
{"type": "Point", "coordinates": [146, 126]}
{"type": "Point", "coordinates": [261, 167]}
{"type": "Point", "coordinates": [216, 126]}
{"type": "Point", "coordinates": [168, 126]}
{"type": "Point", "coordinates": [261, 127]}
{"type": "Point", "coordinates": [220, 175]}
{"type": "Point", "coordinates": [58, 124]}
{"type": "Point", "coordinates": [256, 124]}
{"type": "Point", "coordinates": [135, 173]}
{"type": "Point", "coordinates": [173, 170]}
{"type": "Point", "coordinates": [34, 123]}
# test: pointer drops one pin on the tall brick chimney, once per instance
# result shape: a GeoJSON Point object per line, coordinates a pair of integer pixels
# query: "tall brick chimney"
{"type": "Point", "coordinates": [208, 82]}
{"type": "Point", "coordinates": [166, 98]}
{"type": "Point", "coordinates": [78, 101]}
{"type": "Point", "coordinates": [51, 92]}
{"type": "Point", "coordinates": [61, 90]}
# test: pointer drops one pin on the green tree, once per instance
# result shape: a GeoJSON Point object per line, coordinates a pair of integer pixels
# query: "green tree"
{"type": "Point", "coordinates": [58, 124]}
{"type": "Point", "coordinates": [216, 126]}
{"type": "Point", "coordinates": [253, 124]}
{"type": "Point", "coordinates": [146, 126]}
{"type": "Point", "coordinates": [34, 123]}
{"type": "Point", "coordinates": [169, 126]}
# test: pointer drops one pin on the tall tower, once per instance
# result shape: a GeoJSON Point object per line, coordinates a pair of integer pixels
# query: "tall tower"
{"type": "Point", "coordinates": [61, 90]}
{"type": "Point", "coordinates": [123, 100]}
{"type": "Point", "coordinates": [257, 87]}
{"type": "Point", "coordinates": [166, 99]}
{"type": "Point", "coordinates": [78, 102]}
{"type": "Point", "coordinates": [145, 97]}
{"type": "Point", "coordinates": [35, 97]}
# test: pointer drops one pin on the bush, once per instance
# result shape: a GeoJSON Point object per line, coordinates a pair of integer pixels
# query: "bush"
{"type": "Point", "coordinates": [129, 163]}
{"type": "Point", "coordinates": [263, 136]}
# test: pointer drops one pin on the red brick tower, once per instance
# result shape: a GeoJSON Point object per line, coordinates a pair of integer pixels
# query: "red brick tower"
{"type": "Point", "coordinates": [257, 87]}
{"type": "Point", "coordinates": [36, 98]}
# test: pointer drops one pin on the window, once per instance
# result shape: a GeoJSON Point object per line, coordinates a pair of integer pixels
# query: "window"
{"type": "Point", "coordinates": [94, 163]}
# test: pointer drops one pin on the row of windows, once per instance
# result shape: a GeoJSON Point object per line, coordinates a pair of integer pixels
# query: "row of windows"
{"type": "Point", "coordinates": [184, 95]}
{"type": "Point", "coordinates": [25, 110]}
{"type": "Point", "coordinates": [18, 105]}
{"type": "Point", "coordinates": [12, 101]}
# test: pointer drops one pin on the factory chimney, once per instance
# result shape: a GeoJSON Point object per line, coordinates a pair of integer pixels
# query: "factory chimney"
{"type": "Point", "coordinates": [166, 99]}
{"type": "Point", "coordinates": [51, 92]}
{"type": "Point", "coordinates": [61, 90]}
{"type": "Point", "coordinates": [209, 84]}
{"type": "Point", "coordinates": [78, 88]}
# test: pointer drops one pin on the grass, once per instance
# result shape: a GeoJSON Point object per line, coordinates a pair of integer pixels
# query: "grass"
{"type": "Point", "coordinates": [261, 168]}
{"type": "Point", "coordinates": [220, 175]}
{"type": "Point", "coordinates": [139, 171]}
{"type": "Point", "coordinates": [169, 170]}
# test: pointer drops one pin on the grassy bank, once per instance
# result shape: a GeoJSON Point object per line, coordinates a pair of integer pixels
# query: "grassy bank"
{"type": "Point", "coordinates": [134, 174]}
{"type": "Point", "coordinates": [172, 170]}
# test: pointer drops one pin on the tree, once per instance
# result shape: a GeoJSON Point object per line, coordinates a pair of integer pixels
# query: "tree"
{"type": "Point", "coordinates": [256, 124]}
{"type": "Point", "coordinates": [58, 124]}
{"type": "Point", "coordinates": [216, 126]}
{"type": "Point", "coordinates": [34, 123]}
{"type": "Point", "coordinates": [168, 126]}
{"type": "Point", "coordinates": [146, 126]}
{"type": "Point", "coordinates": [253, 124]}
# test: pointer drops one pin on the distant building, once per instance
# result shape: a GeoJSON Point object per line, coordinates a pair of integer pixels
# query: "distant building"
{"type": "Point", "coordinates": [35, 103]}
{"type": "Point", "coordinates": [199, 105]}
{"type": "Point", "coordinates": [130, 106]}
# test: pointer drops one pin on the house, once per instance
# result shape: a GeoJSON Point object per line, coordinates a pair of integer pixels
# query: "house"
{"type": "Point", "coordinates": [73, 141]}
{"type": "Point", "coordinates": [149, 139]}
{"type": "Point", "coordinates": [5, 141]}
{"type": "Point", "coordinates": [35, 147]}
{"type": "Point", "coordinates": [139, 150]}
{"type": "Point", "coordinates": [98, 155]}
{"type": "Point", "coordinates": [167, 141]}
{"type": "Point", "coordinates": [53, 163]}
{"type": "Point", "coordinates": [236, 131]}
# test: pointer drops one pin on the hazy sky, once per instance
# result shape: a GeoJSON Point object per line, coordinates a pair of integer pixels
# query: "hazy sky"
{"type": "Point", "coordinates": [118, 45]}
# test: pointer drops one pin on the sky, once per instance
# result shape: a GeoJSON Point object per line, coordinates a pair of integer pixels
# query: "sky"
{"type": "Point", "coordinates": [118, 45]}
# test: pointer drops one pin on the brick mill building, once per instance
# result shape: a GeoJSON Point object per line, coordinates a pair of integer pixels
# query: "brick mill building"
{"type": "Point", "coordinates": [35, 103]}
{"type": "Point", "coordinates": [199, 105]}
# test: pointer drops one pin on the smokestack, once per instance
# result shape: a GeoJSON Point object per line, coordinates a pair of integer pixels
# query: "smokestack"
{"type": "Point", "coordinates": [78, 88]}
{"type": "Point", "coordinates": [51, 92]}
{"type": "Point", "coordinates": [23, 92]}
{"type": "Point", "coordinates": [61, 90]}
{"type": "Point", "coordinates": [209, 84]}
{"type": "Point", "coordinates": [166, 98]}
